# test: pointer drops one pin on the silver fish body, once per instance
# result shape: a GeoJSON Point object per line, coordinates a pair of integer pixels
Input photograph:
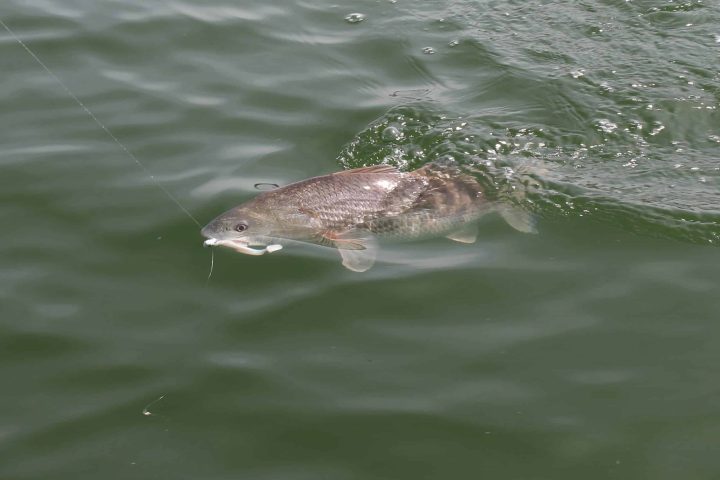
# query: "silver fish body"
{"type": "Point", "coordinates": [347, 210]}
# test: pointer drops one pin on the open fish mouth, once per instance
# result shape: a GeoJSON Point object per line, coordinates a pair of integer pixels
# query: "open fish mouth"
{"type": "Point", "coordinates": [241, 246]}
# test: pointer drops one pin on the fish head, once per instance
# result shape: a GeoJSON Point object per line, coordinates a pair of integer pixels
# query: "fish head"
{"type": "Point", "coordinates": [241, 229]}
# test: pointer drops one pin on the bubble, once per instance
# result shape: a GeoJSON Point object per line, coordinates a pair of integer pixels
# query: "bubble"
{"type": "Point", "coordinates": [355, 18]}
{"type": "Point", "coordinates": [605, 86]}
{"type": "Point", "coordinates": [606, 125]}
{"type": "Point", "coordinates": [391, 134]}
{"type": "Point", "coordinates": [428, 50]}
{"type": "Point", "coordinates": [659, 127]}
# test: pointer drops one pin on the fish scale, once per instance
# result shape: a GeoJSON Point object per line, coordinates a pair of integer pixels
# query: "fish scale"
{"type": "Point", "coordinates": [346, 210]}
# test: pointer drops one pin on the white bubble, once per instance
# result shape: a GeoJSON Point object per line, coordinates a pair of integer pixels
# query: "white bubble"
{"type": "Point", "coordinates": [606, 87]}
{"type": "Point", "coordinates": [658, 128]}
{"type": "Point", "coordinates": [391, 134]}
{"type": "Point", "coordinates": [355, 18]}
{"type": "Point", "coordinates": [606, 125]}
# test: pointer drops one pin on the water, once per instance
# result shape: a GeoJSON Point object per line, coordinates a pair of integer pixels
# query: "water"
{"type": "Point", "coordinates": [589, 350]}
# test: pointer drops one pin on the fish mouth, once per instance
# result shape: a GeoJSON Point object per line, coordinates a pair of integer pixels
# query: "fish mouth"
{"type": "Point", "coordinates": [241, 246]}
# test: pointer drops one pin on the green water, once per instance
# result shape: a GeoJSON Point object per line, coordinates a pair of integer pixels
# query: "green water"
{"type": "Point", "coordinates": [589, 350]}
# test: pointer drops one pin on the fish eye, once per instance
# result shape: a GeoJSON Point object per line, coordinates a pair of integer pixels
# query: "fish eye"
{"type": "Point", "coordinates": [241, 227]}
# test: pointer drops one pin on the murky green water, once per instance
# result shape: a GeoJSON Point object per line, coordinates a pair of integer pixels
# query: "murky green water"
{"type": "Point", "coordinates": [587, 351]}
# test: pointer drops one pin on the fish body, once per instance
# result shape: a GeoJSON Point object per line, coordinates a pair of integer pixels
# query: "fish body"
{"type": "Point", "coordinates": [347, 210]}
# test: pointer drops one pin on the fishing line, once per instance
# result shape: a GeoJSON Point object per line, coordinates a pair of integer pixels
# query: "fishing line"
{"type": "Point", "coordinates": [146, 411]}
{"type": "Point", "coordinates": [100, 124]}
{"type": "Point", "coordinates": [212, 265]}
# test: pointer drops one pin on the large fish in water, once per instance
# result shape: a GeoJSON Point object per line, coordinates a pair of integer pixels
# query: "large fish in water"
{"type": "Point", "coordinates": [347, 210]}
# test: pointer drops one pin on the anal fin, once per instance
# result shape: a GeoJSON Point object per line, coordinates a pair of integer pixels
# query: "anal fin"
{"type": "Point", "coordinates": [465, 234]}
{"type": "Point", "coordinates": [521, 220]}
{"type": "Point", "coordinates": [357, 260]}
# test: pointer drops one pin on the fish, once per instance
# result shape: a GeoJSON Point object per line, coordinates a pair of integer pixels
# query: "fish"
{"type": "Point", "coordinates": [349, 210]}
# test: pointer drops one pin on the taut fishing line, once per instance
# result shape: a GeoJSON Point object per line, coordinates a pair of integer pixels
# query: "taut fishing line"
{"type": "Point", "coordinates": [98, 122]}
{"type": "Point", "coordinates": [105, 129]}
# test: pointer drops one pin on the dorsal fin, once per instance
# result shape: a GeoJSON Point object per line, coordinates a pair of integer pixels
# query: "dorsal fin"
{"type": "Point", "coordinates": [370, 169]}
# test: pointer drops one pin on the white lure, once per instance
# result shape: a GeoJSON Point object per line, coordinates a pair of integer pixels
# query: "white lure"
{"type": "Point", "coordinates": [242, 247]}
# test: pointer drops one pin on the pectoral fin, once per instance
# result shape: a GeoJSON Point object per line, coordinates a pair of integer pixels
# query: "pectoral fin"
{"type": "Point", "coordinates": [358, 248]}
{"type": "Point", "coordinates": [519, 219]}
{"type": "Point", "coordinates": [466, 234]}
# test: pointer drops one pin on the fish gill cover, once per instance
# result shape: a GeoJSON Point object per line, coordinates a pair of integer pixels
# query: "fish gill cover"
{"type": "Point", "coordinates": [617, 173]}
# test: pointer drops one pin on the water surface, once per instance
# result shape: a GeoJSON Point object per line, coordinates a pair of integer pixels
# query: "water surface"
{"type": "Point", "coordinates": [588, 350]}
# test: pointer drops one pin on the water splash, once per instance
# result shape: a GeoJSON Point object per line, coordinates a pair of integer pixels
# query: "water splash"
{"type": "Point", "coordinates": [557, 180]}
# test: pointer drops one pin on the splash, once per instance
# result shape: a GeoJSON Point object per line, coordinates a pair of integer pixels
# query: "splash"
{"type": "Point", "coordinates": [612, 175]}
